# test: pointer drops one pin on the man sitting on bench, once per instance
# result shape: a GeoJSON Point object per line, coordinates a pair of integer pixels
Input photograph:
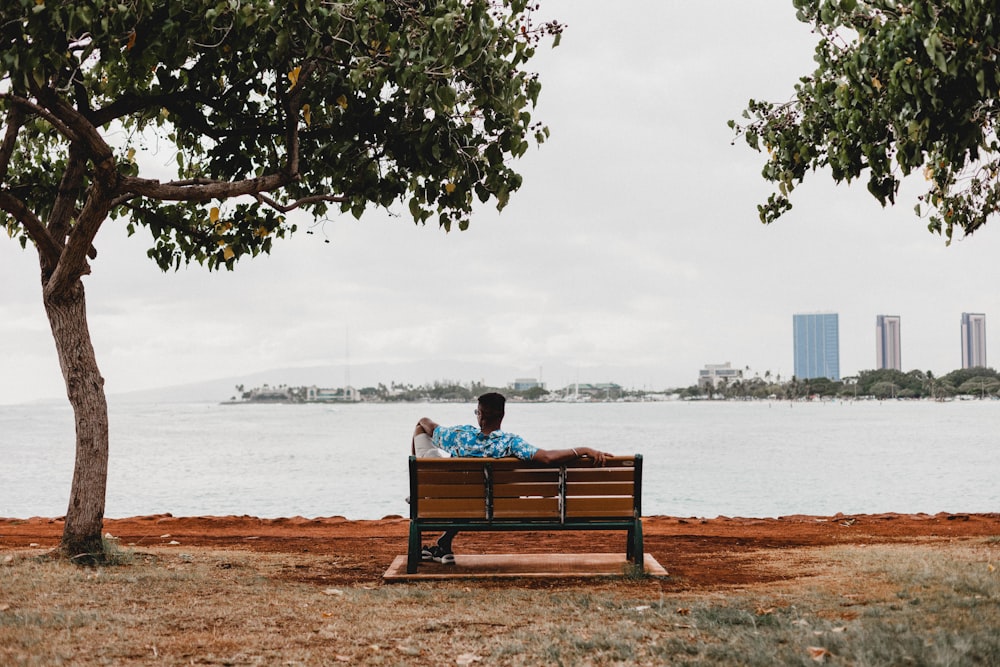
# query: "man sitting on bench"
{"type": "Point", "coordinates": [431, 440]}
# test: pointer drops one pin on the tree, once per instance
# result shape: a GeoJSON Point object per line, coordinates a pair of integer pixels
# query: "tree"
{"type": "Point", "coordinates": [899, 87]}
{"type": "Point", "coordinates": [979, 386]}
{"type": "Point", "coordinates": [821, 386]}
{"type": "Point", "coordinates": [695, 391]}
{"type": "Point", "coordinates": [962, 375]}
{"type": "Point", "coordinates": [263, 108]}
{"type": "Point", "coordinates": [534, 393]}
{"type": "Point", "coordinates": [884, 389]}
{"type": "Point", "coordinates": [912, 381]}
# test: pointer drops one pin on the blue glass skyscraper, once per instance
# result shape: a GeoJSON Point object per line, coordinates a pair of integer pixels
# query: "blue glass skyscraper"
{"type": "Point", "coordinates": [817, 345]}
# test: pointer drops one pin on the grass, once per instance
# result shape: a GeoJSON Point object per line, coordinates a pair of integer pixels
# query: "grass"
{"type": "Point", "coordinates": [872, 605]}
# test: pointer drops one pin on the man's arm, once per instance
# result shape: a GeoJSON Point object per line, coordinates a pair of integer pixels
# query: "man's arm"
{"type": "Point", "coordinates": [427, 426]}
{"type": "Point", "coordinates": [554, 456]}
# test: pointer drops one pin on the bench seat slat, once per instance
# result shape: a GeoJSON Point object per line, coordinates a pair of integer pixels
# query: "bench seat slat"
{"type": "Point", "coordinates": [451, 491]}
{"type": "Point", "coordinates": [526, 489]}
{"type": "Point", "coordinates": [602, 488]}
{"type": "Point", "coordinates": [602, 506]}
{"type": "Point", "coordinates": [460, 508]}
{"type": "Point", "coordinates": [519, 508]}
{"type": "Point", "coordinates": [451, 476]}
{"type": "Point", "coordinates": [600, 474]}
{"type": "Point", "coordinates": [525, 475]}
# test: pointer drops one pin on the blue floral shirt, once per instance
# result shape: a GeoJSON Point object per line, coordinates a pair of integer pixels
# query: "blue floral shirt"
{"type": "Point", "coordinates": [470, 441]}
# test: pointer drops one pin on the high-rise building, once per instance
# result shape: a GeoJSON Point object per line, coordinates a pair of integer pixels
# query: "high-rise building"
{"type": "Point", "coordinates": [817, 345]}
{"type": "Point", "coordinates": [887, 351]}
{"type": "Point", "coordinates": [973, 340]}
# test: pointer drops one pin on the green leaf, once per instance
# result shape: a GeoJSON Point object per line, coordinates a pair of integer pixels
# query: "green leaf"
{"type": "Point", "coordinates": [935, 49]}
{"type": "Point", "coordinates": [912, 85]}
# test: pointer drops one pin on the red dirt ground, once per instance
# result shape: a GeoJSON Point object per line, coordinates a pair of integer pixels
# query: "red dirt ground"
{"type": "Point", "coordinates": [698, 553]}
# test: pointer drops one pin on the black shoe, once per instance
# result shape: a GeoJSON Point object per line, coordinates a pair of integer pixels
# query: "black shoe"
{"type": "Point", "coordinates": [439, 555]}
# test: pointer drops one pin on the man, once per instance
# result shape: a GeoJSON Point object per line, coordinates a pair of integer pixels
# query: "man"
{"type": "Point", "coordinates": [431, 440]}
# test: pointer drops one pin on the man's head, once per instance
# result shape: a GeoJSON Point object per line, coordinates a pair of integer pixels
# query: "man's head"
{"type": "Point", "coordinates": [491, 410]}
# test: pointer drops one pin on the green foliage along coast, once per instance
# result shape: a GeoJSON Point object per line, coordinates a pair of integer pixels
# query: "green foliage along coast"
{"type": "Point", "coordinates": [869, 384]}
{"type": "Point", "coordinates": [874, 384]}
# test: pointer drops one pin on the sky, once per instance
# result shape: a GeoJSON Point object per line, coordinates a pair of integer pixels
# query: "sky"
{"type": "Point", "coordinates": [632, 254]}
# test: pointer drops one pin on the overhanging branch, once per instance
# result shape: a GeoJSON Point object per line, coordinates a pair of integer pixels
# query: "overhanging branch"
{"type": "Point", "coordinates": [197, 190]}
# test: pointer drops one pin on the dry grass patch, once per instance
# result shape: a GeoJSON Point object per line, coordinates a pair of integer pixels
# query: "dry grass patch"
{"type": "Point", "coordinates": [892, 604]}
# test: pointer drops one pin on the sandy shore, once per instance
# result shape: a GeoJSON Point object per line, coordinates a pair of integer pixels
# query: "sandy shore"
{"type": "Point", "coordinates": [697, 552]}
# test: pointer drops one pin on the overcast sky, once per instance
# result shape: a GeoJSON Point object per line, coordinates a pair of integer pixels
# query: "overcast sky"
{"type": "Point", "coordinates": [632, 254]}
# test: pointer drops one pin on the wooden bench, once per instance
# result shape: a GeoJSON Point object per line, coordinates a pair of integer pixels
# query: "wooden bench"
{"type": "Point", "coordinates": [507, 494]}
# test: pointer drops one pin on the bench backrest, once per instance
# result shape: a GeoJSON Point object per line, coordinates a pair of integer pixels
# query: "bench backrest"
{"type": "Point", "coordinates": [509, 489]}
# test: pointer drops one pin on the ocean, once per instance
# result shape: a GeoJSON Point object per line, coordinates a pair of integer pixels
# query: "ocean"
{"type": "Point", "coordinates": [701, 459]}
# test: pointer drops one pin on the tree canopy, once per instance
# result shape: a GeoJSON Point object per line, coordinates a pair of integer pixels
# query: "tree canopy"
{"type": "Point", "coordinates": [306, 104]}
{"type": "Point", "coordinates": [898, 87]}
{"type": "Point", "coordinates": [206, 122]}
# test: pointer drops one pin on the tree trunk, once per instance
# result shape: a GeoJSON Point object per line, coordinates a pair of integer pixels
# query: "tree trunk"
{"type": "Point", "coordinates": [67, 312]}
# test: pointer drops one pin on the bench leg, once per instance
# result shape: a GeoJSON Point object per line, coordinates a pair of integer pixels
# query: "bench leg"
{"type": "Point", "coordinates": [413, 549]}
{"type": "Point", "coordinates": [633, 550]}
{"type": "Point", "coordinates": [635, 544]}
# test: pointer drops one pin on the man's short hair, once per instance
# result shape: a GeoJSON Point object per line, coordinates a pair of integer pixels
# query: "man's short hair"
{"type": "Point", "coordinates": [492, 404]}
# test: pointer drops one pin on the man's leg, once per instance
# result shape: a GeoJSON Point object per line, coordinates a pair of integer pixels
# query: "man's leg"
{"type": "Point", "coordinates": [445, 540]}
{"type": "Point", "coordinates": [423, 448]}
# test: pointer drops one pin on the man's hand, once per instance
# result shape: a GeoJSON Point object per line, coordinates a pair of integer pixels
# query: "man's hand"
{"type": "Point", "coordinates": [427, 426]}
{"type": "Point", "coordinates": [591, 453]}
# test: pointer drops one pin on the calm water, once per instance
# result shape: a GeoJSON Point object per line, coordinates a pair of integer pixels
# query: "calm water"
{"type": "Point", "coordinates": [701, 459]}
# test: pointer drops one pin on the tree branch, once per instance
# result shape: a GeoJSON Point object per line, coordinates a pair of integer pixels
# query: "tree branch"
{"type": "Point", "coordinates": [47, 250]}
{"type": "Point", "coordinates": [28, 105]}
{"type": "Point", "coordinates": [285, 208]}
{"type": "Point", "coordinates": [73, 262]}
{"type": "Point", "coordinates": [15, 119]}
{"type": "Point", "coordinates": [201, 189]}
{"type": "Point", "coordinates": [130, 104]}
{"type": "Point", "coordinates": [86, 144]}
{"type": "Point", "coordinates": [292, 104]}
{"type": "Point", "coordinates": [64, 207]}
{"type": "Point", "coordinates": [78, 128]}
{"type": "Point", "coordinates": [182, 102]}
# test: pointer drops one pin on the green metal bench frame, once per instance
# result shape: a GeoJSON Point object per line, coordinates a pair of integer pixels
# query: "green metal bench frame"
{"type": "Point", "coordinates": [629, 518]}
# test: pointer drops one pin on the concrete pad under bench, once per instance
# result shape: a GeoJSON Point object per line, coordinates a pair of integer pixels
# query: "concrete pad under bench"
{"type": "Point", "coordinates": [514, 566]}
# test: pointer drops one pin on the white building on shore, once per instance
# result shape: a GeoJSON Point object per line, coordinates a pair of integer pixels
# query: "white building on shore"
{"type": "Point", "coordinates": [316, 394]}
{"type": "Point", "coordinates": [715, 374]}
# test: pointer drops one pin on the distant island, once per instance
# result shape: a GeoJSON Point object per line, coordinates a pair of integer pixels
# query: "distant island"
{"type": "Point", "coordinates": [978, 383]}
{"type": "Point", "coordinates": [525, 389]}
